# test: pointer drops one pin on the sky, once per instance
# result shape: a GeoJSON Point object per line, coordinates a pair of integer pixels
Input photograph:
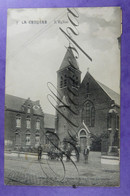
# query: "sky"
{"type": "Point", "coordinates": [35, 51]}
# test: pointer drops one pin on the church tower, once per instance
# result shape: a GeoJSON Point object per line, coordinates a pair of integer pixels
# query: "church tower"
{"type": "Point", "coordinates": [68, 82]}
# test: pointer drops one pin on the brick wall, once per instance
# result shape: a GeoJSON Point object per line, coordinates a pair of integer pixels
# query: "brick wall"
{"type": "Point", "coordinates": [11, 129]}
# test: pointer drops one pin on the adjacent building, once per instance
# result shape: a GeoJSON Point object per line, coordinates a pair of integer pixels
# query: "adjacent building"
{"type": "Point", "coordinates": [25, 123]}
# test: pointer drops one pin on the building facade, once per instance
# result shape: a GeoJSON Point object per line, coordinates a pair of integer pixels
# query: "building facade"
{"type": "Point", "coordinates": [25, 123]}
{"type": "Point", "coordinates": [86, 109]}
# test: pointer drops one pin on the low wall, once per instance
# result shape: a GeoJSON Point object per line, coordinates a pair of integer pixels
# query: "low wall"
{"type": "Point", "coordinates": [27, 155]}
{"type": "Point", "coordinates": [110, 160]}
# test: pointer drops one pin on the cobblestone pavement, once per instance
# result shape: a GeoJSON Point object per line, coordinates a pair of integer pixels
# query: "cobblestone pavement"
{"type": "Point", "coordinates": [24, 171]}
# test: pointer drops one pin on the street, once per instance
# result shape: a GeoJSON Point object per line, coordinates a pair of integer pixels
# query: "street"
{"type": "Point", "coordinates": [30, 171]}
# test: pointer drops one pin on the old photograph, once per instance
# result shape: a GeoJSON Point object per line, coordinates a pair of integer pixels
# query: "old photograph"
{"type": "Point", "coordinates": [62, 97]}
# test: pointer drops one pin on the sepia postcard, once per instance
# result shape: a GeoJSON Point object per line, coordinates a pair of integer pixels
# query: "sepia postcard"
{"type": "Point", "coordinates": [62, 97]}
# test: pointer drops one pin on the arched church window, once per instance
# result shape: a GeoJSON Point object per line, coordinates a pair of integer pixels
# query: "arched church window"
{"type": "Point", "coordinates": [88, 114]}
{"type": "Point", "coordinates": [92, 116]}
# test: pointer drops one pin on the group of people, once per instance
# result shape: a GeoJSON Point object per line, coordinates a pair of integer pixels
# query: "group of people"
{"type": "Point", "coordinates": [85, 153]}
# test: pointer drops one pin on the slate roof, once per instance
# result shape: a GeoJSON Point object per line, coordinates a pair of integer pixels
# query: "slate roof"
{"type": "Point", "coordinates": [49, 121]}
{"type": "Point", "coordinates": [112, 94]}
{"type": "Point", "coordinates": [15, 103]}
{"type": "Point", "coordinates": [69, 59]}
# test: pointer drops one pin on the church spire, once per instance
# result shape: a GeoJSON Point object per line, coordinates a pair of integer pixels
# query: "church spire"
{"type": "Point", "coordinates": [69, 60]}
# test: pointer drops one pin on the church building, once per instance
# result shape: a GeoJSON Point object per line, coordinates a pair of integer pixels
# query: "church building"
{"type": "Point", "coordinates": [87, 110]}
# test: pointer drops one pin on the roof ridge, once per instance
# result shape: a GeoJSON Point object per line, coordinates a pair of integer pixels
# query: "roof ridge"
{"type": "Point", "coordinates": [107, 87]}
{"type": "Point", "coordinates": [20, 97]}
{"type": "Point", "coordinates": [49, 114]}
{"type": "Point", "coordinates": [107, 90]}
{"type": "Point", "coordinates": [14, 96]}
{"type": "Point", "coordinates": [15, 103]}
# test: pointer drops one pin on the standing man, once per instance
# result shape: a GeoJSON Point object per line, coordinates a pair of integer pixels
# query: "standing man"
{"type": "Point", "coordinates": [78, 152]}
{"type": "Point", "coordinates": [39, 152]}
{"type": "Point", "coordinates": [68, 152]}
{"type": "Point", "coordinates": [86, 153]}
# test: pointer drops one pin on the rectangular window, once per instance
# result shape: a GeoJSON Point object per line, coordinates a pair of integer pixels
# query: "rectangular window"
{"type": "Point", "coordinates": [28, 139]}
{"type": "Point", "coordinates": [8, 142]}
{"type": "Point", "coordinates": [37, 139]}
{"type": "Point", "coordinates": [28, 121]}
{"type": "Point", "coordinates": [38, 125]}
{"type": "Point", "coordinates": [28, 110]}
{"type": "Point", "coordinates": [17, 139]}
{"type": "Point", "coordinates": [18, 122]}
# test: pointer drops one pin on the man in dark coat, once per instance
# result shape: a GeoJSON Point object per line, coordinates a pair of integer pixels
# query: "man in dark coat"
{"type": "Point", "coordinates": [77, 152]}
{"type": "Point", "coordinates": [39, 152]}
{"type": "Point", "coordinates": [86, 153]}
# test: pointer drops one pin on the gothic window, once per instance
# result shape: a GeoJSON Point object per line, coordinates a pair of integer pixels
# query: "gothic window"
{"type": "Point", "coordinates": [92, 116]}
{"type": "Point", "coordinates": [18, 121]}
{"type": "Point", "coordinates": [88, 114]}
{"type": "Point", "coordinates": [28, 123]}
{"type": "Point", "coordinates": [61, 82]}
{"type": "Point", "coordinates": [38, 124]}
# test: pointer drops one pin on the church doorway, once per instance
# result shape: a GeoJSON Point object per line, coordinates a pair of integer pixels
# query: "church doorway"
{"type": "Point", "coordinates": [82, 139]}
